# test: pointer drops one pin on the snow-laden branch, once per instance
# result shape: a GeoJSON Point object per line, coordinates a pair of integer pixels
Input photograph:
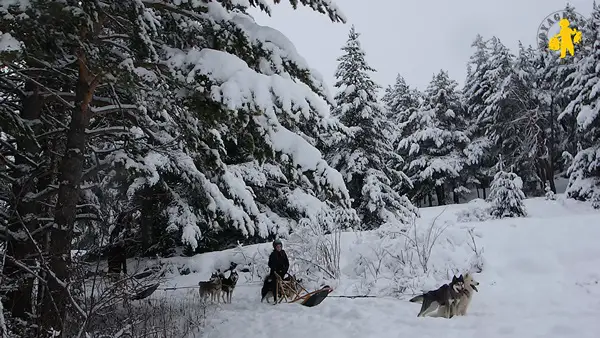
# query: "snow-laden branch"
{"type": "Point", "coordinates": [238, 87]}
{"type": "Point", "coordinates": [157, 4]}
{"type": "Point", "coordinates": [50, 91]}
{"type": "Point", "coordinates": [118, 130]}
{"type": "Point", "coordinates": [112, 108]}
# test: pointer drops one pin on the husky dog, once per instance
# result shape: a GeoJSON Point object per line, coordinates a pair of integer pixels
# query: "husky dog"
{"type": "Point", "coordinates": [444, 297]}
{"type": "Point", "coordinates": [466, 295]}
{"type": "Point", "coordinates": [228, 285]}
{"type": "Point", "coordinates": [211, 287]}
{"type": "Point", "coordinates": [269, 288]}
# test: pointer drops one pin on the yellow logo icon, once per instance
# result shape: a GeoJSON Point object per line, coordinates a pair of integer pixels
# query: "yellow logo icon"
{"type": "Point", "coordinates": [565, 39]}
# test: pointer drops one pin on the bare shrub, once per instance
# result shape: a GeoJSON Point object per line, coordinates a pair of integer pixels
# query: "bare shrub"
{"type": "Point", "coordinates": [253, 263]}
{"type": "Point", "coordinates": [159, 317]}
{"type": "Point", "coordinates": [316, 247]}
{"type": "Point", "coordinates": [477, 262]}
{"type": "Point", "coordinates": [122, 306]}
{"type": "Point", "coordinates": [100, 295]}
{"type": "Point", "coordinates": [369, 268]}
{"type": "Point", "coordinates": [422, 244]}
{"type": "Point", "coordinates": [399, 259]}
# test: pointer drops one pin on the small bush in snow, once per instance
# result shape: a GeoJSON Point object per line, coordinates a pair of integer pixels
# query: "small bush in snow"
{"type": "Point", "coordinates": [596, 200]}
{"type": "Point", "coordinates": [550, 195]}
{"type": "Point", "coordinates": [473, 213]}
{"type": "Point", "coordinates": [507, 196]}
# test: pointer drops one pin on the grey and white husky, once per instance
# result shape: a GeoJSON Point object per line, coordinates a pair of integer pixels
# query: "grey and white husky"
{"type": "Point", "coordinates": [211, 288]}
{"type": "Point", "coordinates": [228, 285]}
{"type": "Point", "coordinates": [444, 299]}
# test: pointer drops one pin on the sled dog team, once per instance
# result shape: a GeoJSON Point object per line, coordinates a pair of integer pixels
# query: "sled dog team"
{"type": "Point", "coordinates": [449, 300]}
{"type": "Point", "coordinates": [218, 285]}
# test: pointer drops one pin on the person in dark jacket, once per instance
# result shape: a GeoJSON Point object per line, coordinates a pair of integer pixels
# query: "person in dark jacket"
{"type": "Point", "coordinates": [278, 260]}
{"type": "Point", "coordinates": [278, 263]}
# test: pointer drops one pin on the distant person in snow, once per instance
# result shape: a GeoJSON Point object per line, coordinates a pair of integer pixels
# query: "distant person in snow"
{"type": "Point", "coordinates": [117, 250]}
{"type": "Point", "coordinates": [278, 260]}
{"type": "Point", "coordinates": [117, 260]}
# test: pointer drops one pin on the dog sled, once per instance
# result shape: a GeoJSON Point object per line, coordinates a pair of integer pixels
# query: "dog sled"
{"type": "Point", "coordinates": [292, 291]}
{"type": "Point", "coordinates": [140, 285]}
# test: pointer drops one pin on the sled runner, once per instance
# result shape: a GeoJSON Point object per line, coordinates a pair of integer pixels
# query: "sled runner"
{"type": "Point", "coordinates": [314, 298]}
{"type": "Point", "coordinates": [145, 292]}
{"type": "Point", "coordinates": [291, 291]}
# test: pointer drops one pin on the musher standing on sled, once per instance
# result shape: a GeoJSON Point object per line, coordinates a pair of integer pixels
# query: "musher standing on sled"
{"type": "Point", "coordinates": [278, 260]}
{"type": "Point", "coordinates": [279, 263]}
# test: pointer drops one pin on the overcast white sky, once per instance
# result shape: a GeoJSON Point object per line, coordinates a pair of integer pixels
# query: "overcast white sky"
{"type": "Point", "coordinates": [415, 38]}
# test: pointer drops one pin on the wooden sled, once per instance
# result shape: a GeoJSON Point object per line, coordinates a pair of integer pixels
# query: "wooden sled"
{"type": "Point", "coordinates": [292, 291]}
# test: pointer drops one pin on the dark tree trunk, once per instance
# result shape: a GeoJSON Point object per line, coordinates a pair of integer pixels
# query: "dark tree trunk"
{"type": "Point", "coordinates": [541, 172]}
{"type": "Point", "coordinates": [20, 302]}
{"type": "Point", "coordinates": [147, 224]}
{"type": "Point", "coordinates": [56, 300]}
{"type": "Point", "coordinates": [439, 192]}
{"type": "Point", "coordinates": [550, 172]}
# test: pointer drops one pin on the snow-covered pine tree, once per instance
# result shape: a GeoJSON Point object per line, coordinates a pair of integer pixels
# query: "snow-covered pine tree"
{"type": "Point", "coordinates": [497, 70]}
{"type": "Point", "coordinates": [550, 195]}
{"type": "Point", "coordinates": [519, 127]}
{"type": "Point", "coordinates": [433, 142]}
{"type": "Point", "coordinates": [52, 120]}
{"type": "Point", "coordinates": [366, 158]}
{"type": "Point", "coordinates": [555, 78]}
{"type": "Point", "coordinates": [584, 172]}
{"type": "Point", "coordinates": [506, 195]}
{"type": "Point", "coordinates": [399, 98]}
{"type": "Point", "coordinates": [189, 108]}
{"type": "Point", "coordinates": [476, 90]}
{"type": "Point", "coordinates": [541, 127]}
{"type": "Point", "coordinates": [511, 119]}
{"type": "Point", "coordinates": [246, 158]}
{"type": "Point", "coordinates": [400, 101]}
{"type": "Point", "coordinates": [387, 96]}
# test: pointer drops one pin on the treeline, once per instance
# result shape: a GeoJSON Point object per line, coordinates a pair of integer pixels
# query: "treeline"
{"type": "Point", "coordinates": [533, 111]}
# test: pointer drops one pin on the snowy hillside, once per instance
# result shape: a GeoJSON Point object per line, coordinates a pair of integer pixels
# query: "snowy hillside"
{"type": "Point", "coordinates": [540, 278]}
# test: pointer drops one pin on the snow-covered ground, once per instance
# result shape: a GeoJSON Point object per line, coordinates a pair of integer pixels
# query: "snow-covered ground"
{"type": "Point", "coordinates": [540, 278]}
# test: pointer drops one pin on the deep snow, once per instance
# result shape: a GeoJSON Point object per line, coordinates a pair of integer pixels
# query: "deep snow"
{"type": "Point", "coordinates": [540, 278]}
